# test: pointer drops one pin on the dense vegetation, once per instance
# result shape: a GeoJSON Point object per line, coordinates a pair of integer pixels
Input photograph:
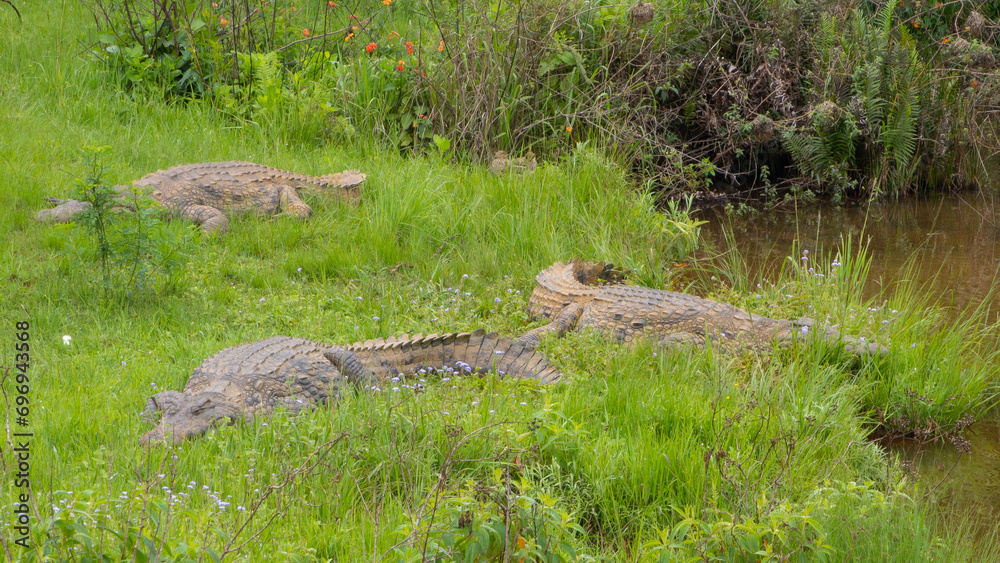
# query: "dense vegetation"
{"type": "Point", "coordinates": [640, 455]}
{"type": "Point", "coordinates": [765, 98]}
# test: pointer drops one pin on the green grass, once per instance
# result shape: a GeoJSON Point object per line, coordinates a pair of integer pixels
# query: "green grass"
{"type": "Point", "coordinates": [634, 444]}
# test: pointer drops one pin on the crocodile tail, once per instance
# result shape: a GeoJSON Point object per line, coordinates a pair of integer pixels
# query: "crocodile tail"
{"type": "Point", "coordinates": [345, 184]}
{"type": "Point", "coordinates": [578, 277]}
{"type": "Point", "coordinates": [589, 272]}
{"type": "Point", "coordinates": [563, 283]}
{"type": "Point", "coordinates": [382, 359]}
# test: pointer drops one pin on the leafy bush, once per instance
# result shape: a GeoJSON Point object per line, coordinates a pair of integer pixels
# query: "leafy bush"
{"type": "Point", "coordinates": [854, 103]}
{"type": "Point", "coordinates": [882, 119]}
{"type": "Point", "coordinates": [788, 532]}
{"type": "Point", "coordinates": [500, 519]}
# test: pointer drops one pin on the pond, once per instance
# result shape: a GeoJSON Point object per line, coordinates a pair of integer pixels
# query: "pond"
{"type": "Point", "coordinates": [953, 242]}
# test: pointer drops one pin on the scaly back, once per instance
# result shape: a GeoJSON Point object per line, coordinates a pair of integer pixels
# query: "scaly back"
{"type": "Point", "coordinates": [382, 359]}
{"type": "Point", "coordinates": [235, 176]}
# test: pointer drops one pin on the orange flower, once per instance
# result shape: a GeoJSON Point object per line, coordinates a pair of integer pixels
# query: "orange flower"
{"type": "Point", "coordinates": [331, 4]}
{"type": "Point", "coordinates": [916, 24]}
{"type": "Point", "coordinates": [441, 45]}
{"type": "Point", "coordinates": [223, 21]}
{"type": "Point", "coordinates": [305, 32]}
{"type": "Point", "coordinates": [409, 47]}
{"type": "Point", "coordinates": [937, 4]}
{"type": "Point", "coordinates": [348, 38]}
{"type": "Point", "coordinates": [400, 67]}
{"type": "Point", "coordinates": [392, 34]}
{"type": "Point", "coordinates": [946, 39]}
{"type": "Point", "coordinates": [387, 2]}
{"type": "Point", "coordinates": [975, 83]}
{"type": "Point", "coordinates": [371, 47]}
{"type": "Point", "coordinates": [569, 129]}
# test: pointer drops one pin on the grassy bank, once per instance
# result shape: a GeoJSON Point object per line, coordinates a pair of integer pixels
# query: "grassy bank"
{"type": "Point", "coordinates": [640, 455]}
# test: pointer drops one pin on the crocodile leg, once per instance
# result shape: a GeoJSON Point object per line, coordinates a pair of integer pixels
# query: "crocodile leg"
{"type": "Point", "coordinates": [291, 204]}
{"type": "Point", "coordinates": [564, 321]}
{"type": "Point", "coordinates": [681, 339]}
{"type": "Point", "coordinates": [211, 219]}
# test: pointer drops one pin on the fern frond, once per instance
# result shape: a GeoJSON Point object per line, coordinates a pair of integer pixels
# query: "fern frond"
{"type": "Point", "coordinates": [827, 35]}
{"type": "Point", "coordinates": [883, 20]}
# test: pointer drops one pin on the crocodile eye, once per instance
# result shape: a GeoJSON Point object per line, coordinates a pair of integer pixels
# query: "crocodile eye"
{"type": "Point", "coordinates": [202, 406]}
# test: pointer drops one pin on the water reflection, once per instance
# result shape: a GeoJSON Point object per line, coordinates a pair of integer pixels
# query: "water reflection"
{"type": "Point", "coordinates": [955, 240]}
{"type": "Point", "coordinates": [964, 487]}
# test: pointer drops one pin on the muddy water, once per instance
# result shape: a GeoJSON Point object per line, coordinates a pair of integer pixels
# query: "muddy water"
{"type": "Point", "coordinates": [963, 487]}
{"type": "Point", "coordinates": [955, 243]}
{"type": "Point", "coordinates": [955, 240]}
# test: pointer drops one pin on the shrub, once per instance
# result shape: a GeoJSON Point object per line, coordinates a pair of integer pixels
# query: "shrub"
{"type": "Point", "coordinates": [134, 252]}
{"type": "Point", "coordinates": [851, 102]}
{"type": "Point", "coordinates": [788, 532]}
{"type": "Point", "coordinates": [499, 519]}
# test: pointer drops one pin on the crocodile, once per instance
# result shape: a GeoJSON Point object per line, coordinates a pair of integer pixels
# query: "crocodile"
{"type": "Point", "coordinates": [253, 379]}
{"type": "Point", "coordinates": [591, 294]}
{"type": "Point", "coordinates": [205, 192]}
{"type": "Point", "coordinates": [503, 163]}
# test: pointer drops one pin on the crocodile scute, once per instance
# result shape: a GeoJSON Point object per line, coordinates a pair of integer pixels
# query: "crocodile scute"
{"type": "Point", "coordinates": [207, 192]}
{"type": "Point", "coordinates": [249, 380]}
{"type": "Point", "coordinates": [586, 294]}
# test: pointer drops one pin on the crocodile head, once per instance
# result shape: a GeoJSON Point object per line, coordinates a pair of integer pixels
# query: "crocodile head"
{"type": "Point", "coordinates": [185, 416]}
{"type": "Point", "coordinates": [63, 212]}
{"type": "Point", "coordinates": [790, 331]}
